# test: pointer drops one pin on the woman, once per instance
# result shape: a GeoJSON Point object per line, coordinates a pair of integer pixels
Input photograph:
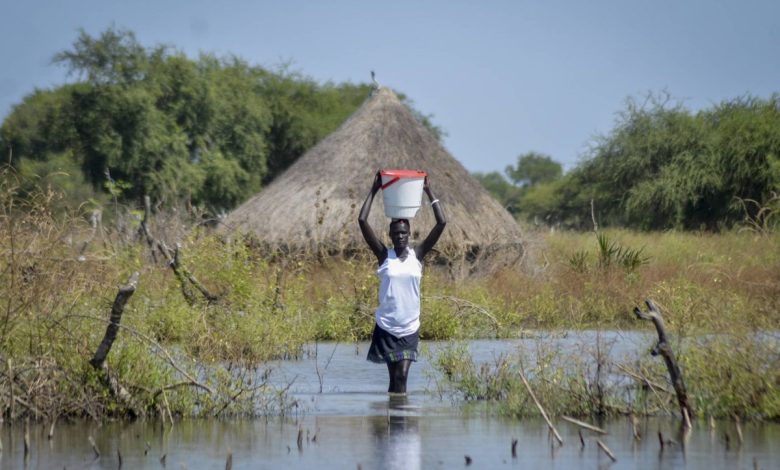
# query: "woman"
{"type": "Point", "coordinates": [396, 333]}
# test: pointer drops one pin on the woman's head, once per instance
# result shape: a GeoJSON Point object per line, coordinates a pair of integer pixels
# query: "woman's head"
{"type": "Point", "coordinates": [399, 233]}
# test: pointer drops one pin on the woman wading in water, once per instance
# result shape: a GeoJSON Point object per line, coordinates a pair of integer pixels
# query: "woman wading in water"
{"type": "Point", "coordinates": [396, 333]}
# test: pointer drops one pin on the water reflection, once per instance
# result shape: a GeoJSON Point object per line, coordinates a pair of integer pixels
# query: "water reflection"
{"type": "Point", "coordinates": [354, 422]}
{"type": "Point", "coordinates": [397, 435]}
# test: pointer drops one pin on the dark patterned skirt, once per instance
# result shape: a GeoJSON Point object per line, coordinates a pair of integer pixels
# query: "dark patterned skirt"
{"type": "Point", "coordinates": [386, 348]}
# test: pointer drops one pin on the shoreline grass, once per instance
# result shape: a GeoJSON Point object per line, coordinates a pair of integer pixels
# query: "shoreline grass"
{"type": "Point", "coordinates": [58, 277]}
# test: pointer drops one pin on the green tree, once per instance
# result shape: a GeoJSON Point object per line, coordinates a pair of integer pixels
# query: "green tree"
{"type": "Point", "coordinates": [211, 131]}
{"type": "Point", "coordinates": [664, 167]}
{"type": "Point", "coordinates": [533, 168]}
{"type": "Point", "coordinates": [497, 185]}
{"type": "Point", "coordinates": [303, 112]}
{"type": "Point", "coordinates": [542, 203]}
{"type": "Point", "coordinates": [114, 57]}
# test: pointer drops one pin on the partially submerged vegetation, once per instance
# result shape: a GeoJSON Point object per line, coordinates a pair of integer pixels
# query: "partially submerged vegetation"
{"type": "Point", "coordinates": [192, 355]}
{"type": "Point", "coordinates": [720, 296]}
{"type": "Point", "coordinates": [728, 375]}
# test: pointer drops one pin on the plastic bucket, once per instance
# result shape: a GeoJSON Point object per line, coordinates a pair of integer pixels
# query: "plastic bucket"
{"type": "Point", "coordinates": [402, 192]}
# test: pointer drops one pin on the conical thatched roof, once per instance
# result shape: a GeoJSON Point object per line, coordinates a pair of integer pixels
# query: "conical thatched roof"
{"type": "Point", "coordinates": [315, 203]}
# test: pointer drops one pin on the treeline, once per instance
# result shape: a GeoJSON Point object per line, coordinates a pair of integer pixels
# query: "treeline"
{"type": "Point", "coordinates": [662, 167]}
{"type": "Point", "coordinates": [151, 121]}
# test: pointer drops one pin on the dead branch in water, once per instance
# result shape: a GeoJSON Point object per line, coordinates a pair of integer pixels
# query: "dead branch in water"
{"type": "Point", "coordinates": [51, 429]}
{"type": "Point", "coordinates": [160, 351]}
{"type": "Point", "coordinates": [98, 361]}
{"type": "Point", "coordinates": [541, 409]}
{"type": "Point", "coordinates": [584, 425]}
{"type": "Point", "coordinates": [94, 446]}
{"type": "Point", "coordinates": [606, 450]}
{"type": "Point", "coordinates": [26, 438]}
{"type": "Point", "coordinates": [665, 350]}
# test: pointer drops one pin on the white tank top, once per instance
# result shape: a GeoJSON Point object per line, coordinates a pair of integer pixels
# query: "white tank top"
{"type": "Point", "coordinates": [399, 294]}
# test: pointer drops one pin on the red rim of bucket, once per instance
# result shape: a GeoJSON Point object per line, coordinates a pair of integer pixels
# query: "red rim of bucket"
{"type": "Point", "coordinates": [398, 174]}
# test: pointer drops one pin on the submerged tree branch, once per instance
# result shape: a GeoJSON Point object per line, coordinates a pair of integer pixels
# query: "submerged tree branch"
{"type": "Point", "coordinates": [159, 350]}
{"type": "Point", "coordinates": [98, 361]}
{"type": "Point", "coordinates": [539, 405]}
{"type": "Point", "coordinates": [125, 292]}
{"type": "Point", "coordinates": [665, 350]}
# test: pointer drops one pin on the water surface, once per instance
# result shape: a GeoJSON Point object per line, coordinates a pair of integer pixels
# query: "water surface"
{"type": "Point", "coordinates": [353, 423]}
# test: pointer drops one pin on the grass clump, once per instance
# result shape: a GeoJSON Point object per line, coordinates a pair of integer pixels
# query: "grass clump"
{"type": "Point", "coordinates": [566, 383]}
{"type": "Point", "coordinates": [734, 375]}
{"type": "Point", "coordinates": [726, 375]}
{"type": "Point", "coordinates": [58, 280]}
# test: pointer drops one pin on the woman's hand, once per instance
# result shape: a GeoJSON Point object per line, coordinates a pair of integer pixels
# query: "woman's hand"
{"type": "Point", "coordinates": [427, 245]}
{"type": "Point", "coordinates": [368, 234]}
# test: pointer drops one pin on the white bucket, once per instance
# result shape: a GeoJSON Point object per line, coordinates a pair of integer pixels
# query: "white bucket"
{"type": "Point", "coordinates": [402, 192]}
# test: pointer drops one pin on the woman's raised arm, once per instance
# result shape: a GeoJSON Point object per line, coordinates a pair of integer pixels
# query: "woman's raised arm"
{"type": "Point", "coordinates": [379, 250]}
{"type": "Point", "coordinates": [427, 245]}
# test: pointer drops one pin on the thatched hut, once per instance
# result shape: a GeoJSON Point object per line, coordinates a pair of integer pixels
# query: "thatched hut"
{"type": "Point", "coordinates": [315, 203]}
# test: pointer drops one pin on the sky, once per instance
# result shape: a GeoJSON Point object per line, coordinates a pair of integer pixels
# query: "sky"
{"type": "Point", "coordinates": [502, 78]}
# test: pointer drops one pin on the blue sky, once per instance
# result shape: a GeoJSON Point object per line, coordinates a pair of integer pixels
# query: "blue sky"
{"type": "Point", "coordinates": [501, 77]}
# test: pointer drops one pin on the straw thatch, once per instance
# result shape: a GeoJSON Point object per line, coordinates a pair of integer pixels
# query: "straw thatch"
{"type": "Point", "coordinates": [315, 203]}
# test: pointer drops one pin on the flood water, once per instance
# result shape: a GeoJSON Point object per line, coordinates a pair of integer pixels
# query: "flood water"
{"type": "Point", "coordinates": [346, 420]}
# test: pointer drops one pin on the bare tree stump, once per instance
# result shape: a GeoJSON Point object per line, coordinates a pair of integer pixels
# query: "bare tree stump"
{"type": "Point", "coordinates": [98, 361]}
{"type": "Point", "coordinates": [124, 294]}
{"type": "Point", "coordinates": [665, 350]}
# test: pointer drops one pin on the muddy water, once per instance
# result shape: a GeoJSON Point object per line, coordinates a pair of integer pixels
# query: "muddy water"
{"type": "Point", "coordinates": [352, 423]}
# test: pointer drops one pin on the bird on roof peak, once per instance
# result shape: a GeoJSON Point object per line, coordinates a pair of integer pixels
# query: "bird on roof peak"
{"type": "Point", "coordinates": [374, 83]}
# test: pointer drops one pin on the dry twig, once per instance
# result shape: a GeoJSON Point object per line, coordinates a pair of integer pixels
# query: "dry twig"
{"type": "Point", "coordinates": [541, 409]}
{"type": "Point", "coordinates": [584, 425]}
{"type": "Point", "coordinates": [159, 350]}
{"type": "Point", "coordinates": [606, 450]}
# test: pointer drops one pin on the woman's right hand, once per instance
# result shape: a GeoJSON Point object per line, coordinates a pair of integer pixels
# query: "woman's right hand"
{"type": "Point", "coordinates": [427, 188]}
